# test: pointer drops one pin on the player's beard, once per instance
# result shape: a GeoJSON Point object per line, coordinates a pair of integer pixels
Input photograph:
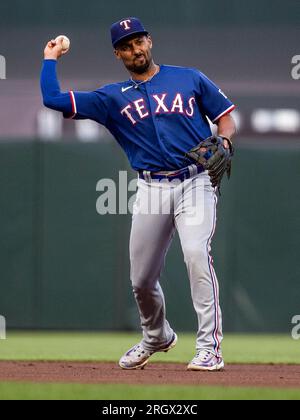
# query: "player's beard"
{"type": "Point", "coordinates": [140, 68]}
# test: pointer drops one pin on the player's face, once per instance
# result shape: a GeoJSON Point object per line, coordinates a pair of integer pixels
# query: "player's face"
{"type": "Point", "coordinates": [135, 53]}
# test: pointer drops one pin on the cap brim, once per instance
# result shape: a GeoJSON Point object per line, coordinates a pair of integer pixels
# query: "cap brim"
{"type": "Point", "coordinates": [128, 36]}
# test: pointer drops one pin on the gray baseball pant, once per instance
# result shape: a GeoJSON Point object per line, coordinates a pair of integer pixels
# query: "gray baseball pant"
{"type": "Point", "coordinates": [160, 209]}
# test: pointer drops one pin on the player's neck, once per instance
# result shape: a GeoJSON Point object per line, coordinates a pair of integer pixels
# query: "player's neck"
{"type": "Point", "coordinates": [152, 70]}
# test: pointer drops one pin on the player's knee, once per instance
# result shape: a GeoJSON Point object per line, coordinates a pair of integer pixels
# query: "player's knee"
{"type": "Point", "coordinates": [144, 277]}
{"type": "Point", "coordinates": [140, 281]}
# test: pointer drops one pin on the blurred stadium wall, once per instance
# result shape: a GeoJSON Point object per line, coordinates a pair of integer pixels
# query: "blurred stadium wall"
{"type": "Point", "coordinates": [65, 266]}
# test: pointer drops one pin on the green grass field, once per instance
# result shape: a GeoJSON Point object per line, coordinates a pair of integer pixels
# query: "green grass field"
{"type": "Point", "coordinates": [109, 347]}
{"type": "Point", "coordinates": [26, 391]}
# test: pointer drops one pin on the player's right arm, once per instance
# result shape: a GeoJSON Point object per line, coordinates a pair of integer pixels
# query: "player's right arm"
{"type": "Point", "coordinates": [78, 105]}
{"type": "Point", "coordinates": [52, 96]}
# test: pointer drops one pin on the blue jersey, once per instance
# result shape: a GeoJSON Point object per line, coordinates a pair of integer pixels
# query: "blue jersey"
{"type": "Point", "coordinates": [155, 122]}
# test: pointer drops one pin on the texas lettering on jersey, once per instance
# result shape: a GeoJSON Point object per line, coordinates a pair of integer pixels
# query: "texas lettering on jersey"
{"type": "Point", "coordinates": [178, 106]}
{"type": "Point", "coordinates": [156, 122]}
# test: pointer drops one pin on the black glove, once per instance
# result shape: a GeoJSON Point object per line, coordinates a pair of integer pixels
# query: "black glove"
{"type": "Point", "coordinates": [214, 154]}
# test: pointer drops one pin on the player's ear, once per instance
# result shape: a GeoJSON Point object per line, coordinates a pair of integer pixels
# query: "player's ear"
{"type": "Point", "coordinates": [150, 41]}
{"type": "Point", "coordinates": [117, 54]}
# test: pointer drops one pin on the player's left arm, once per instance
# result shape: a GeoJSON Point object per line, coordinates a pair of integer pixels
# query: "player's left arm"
{"type": "Point", "coordinates": [217, 106]}
{"type": "Point", "coordinates": [226, 127]}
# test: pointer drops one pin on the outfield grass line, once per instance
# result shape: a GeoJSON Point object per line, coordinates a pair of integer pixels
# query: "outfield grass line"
{"type": "Point", "coordinates": [28, 391]}
{"type": "Point", "coordinates": [93, 347]}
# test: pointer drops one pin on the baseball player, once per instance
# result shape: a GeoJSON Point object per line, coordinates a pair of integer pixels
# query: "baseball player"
{"type": "Point", "coordinates": [159, 116]}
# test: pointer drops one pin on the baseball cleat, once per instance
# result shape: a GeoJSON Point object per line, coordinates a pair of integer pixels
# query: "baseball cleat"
{"type": "Point", "coordinates": [206, 361]}
{"type": "Point", "coordinates": [137, 357]}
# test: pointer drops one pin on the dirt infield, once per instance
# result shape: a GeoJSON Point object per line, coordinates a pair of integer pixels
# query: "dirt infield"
{"type": "Point", "coordinates": [283, 376]}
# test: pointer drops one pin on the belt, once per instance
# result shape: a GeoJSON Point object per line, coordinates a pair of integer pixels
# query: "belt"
{"type": "Point", "coordinates": [181, 174]}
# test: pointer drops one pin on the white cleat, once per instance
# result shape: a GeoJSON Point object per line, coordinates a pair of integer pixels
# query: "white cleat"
{"type": "Point", "coordinates": [137, 357]}
{"type": "Point", "coordinates": [206, 361]}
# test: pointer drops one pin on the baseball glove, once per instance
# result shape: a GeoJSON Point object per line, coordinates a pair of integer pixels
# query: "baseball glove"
{"type": "Point", "coordinates": [214, 154]}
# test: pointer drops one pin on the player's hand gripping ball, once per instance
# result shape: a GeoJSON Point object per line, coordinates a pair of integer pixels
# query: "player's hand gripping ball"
{"type": "Point", "coordinates": [57, 47]}
{"type": "Point", "coordinates": [65, 42]}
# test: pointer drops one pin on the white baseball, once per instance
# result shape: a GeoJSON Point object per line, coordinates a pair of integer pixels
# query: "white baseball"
{"type": "Point", "coordinates": [65, 42]}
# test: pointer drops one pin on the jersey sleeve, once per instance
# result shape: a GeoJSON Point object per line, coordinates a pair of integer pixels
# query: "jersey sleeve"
{"type": "Point", "coordinates": [52, 96]}
{"type": "Point", "coordinates": [89, 105]}
{"type": "Point", "coordinates": [213, 101]}
{"type": "Point", "coordinates": [78, 105]}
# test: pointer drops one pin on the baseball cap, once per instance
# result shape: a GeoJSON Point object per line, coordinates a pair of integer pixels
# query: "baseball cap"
{"type": "Point", "coordinates": [126, 27]}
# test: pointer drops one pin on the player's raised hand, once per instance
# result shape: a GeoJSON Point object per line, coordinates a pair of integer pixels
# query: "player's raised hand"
{"type": "Point", "coordinates": [57, 47]}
